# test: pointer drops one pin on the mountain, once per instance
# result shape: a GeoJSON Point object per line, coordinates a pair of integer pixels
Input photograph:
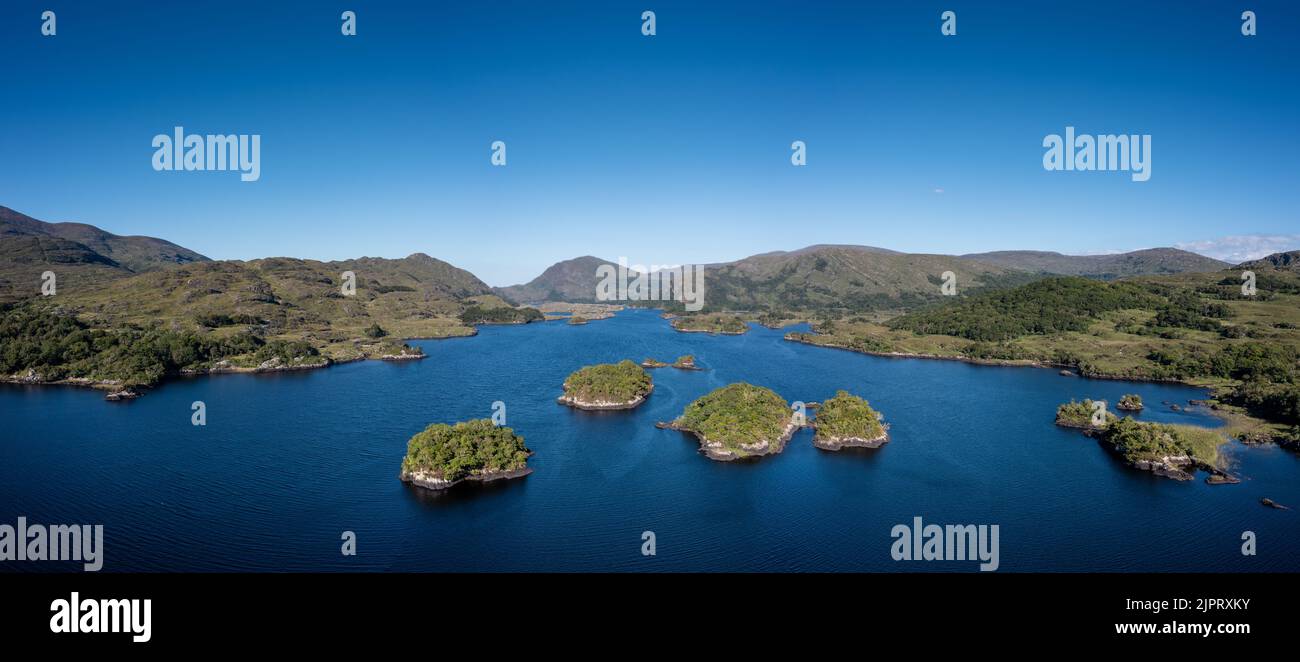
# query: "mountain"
{"type": "Point", "coordinates": [854, 278]}
{"type": "Point", "coordinates": [1289, 260]}
{"type": "Point", "coordinates": [80, 255]}
{"type": "Point", "coordinates": [134, 253]}
{"type": "Point", "coordinates": [1107, 267]}
{"type": "Point", "coordinates": [571, 280]}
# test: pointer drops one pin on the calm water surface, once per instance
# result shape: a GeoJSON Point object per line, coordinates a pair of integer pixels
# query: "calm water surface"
{"type": "Point", "coordinates": [288, 462]}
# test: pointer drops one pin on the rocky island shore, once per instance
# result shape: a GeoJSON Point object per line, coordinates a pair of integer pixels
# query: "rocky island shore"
{"type": "Point", "coordinates": [726, 325]}
{"type": "Point", "coordinates": [685, 362]}
{"type": "Point", "coordinates": [442, 456]}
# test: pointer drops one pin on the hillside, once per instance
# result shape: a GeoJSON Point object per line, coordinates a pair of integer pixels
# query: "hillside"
{"type": "Point", "coordinates": [812, 278]}
{"type": "Point", "coordinates": [416, 296]}
{"type": "Point", "coordinates": [848, 278]}
{"type": "Point", "coordinates": [80, 255]}
{"type": "Point", "coordinates": [1195, 327]}
{"type": "Point", "coordinates": [1106, 267]}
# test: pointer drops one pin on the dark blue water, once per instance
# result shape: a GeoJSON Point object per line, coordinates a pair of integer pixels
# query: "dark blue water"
{"type": "Point", "coordinates": [288, 462]}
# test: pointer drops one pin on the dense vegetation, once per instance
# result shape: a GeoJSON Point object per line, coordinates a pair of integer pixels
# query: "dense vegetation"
{"type": "Point", "coordinates": [710, 323]}
{"type": "Point", "coordinates": [1078, 414]}
{"type": "Point", "coordinates": [737, 414]}
{"type": "Point", "coordinates": [476, 314]}
{"type": "Point", "coordinates": [624, 381]}
{"type": "Point", "coordinates": [847, 416]}
{"type": "Point", "coordinates": [1051, 305]}
{"type": "Point", "coordinates": [1277, 402]}
{"type": "Point", "coordinates": [56, 347]}
{"type": "Point", "coordinates": [1138, 441]}
{"type": "Point", "coordinates": [464, 450]}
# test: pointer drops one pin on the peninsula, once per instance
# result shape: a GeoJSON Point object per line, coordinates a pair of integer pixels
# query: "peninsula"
{"type": "Point", "coordinates": [1164, 449]}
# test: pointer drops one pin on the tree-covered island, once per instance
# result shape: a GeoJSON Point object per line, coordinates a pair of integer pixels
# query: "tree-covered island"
{"type": "Point", "coordinates": [442, 455]}
{"type": "Point", "coordinates": [730, 325]}
{"type": "Point", "coordinates": [848, 420]}
{"type": "Point", "coordinates": [738, 421]}
{"type": "Point", "coordinates": [621, 385]}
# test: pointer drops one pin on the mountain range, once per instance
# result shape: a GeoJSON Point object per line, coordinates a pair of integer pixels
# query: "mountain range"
{"type": "Point", "coordinates": [845, 277]}
{"type": "Point", "coordinates": [864, 277]}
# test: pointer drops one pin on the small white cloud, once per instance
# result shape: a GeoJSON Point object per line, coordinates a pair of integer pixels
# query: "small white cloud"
{"type": "Point", "coordinates": [938, 190]}
{"type": "Point", "coordinates": [1242, 248]}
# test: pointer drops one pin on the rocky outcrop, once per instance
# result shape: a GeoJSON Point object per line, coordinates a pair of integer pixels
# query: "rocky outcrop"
{"type": "Point", "coordinates": [716, 450]}
{"type": "Point", "coordinates": [599, 405]}
{"type": "Point", "coordinates": [431, 481]}
{"type": "Point", "coordinates": [836, 443]}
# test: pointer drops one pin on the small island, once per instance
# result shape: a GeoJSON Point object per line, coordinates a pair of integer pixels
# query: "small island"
{"type": "Point", "coordinates": [1079, 415]}
{"type": "Point", "coordinates": [483, 314]}
{"type": "Point", "coordinates": [728, 325]}
{"type": "Point", "coordinates": [442, 455]}
{"type": "Point", "coordinates": [847, 420]}
{"type": "Point", "coordinates": [621, 385]}
{"type": "Point", "coordinates": [684, 362]}
{"type": "Point", "coordinates": [577, 319]}
{"type": "Point", "coordinates": [1130, 402]}
{"type": "Point", "coordinates": [738, 421]}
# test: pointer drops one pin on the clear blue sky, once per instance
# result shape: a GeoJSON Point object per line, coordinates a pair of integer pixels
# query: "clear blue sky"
{"type": "Point", "coordinates": [666, 149]}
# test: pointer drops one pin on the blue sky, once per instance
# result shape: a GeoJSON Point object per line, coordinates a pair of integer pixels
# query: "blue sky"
{"type": "Point", "coordinates": [666, 149]}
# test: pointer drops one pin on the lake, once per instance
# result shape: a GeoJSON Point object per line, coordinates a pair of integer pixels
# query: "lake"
{"type": "Point", "coordinates": [287, 462]}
